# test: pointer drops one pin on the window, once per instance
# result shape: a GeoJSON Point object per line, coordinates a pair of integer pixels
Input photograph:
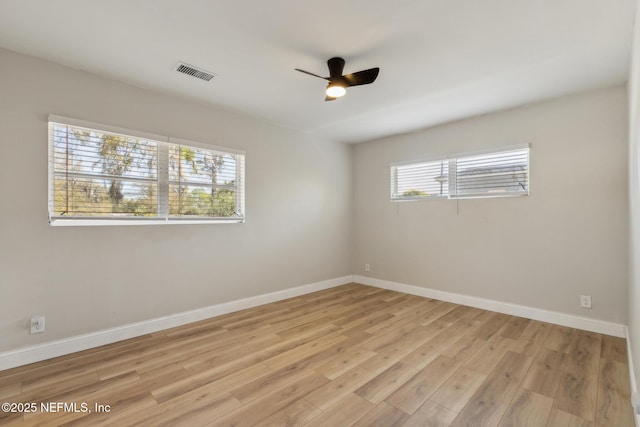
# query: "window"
{"type": "Point", "coordinates": [420, 180]}
{"type": "Point", "coordinates": [110, 176]}
{"type": "Point", "coordinates": [496, 174]}
{"type": "Point", "coordinates": [504, 173]}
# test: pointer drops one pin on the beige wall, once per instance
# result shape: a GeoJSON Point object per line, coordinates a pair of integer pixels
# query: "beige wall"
{"type": "Point", "coordinates": [634, 196]}
{"type": "Point", "coordinates": [83, 279]}
{"type": "Point", "coordinates": [569, 237]}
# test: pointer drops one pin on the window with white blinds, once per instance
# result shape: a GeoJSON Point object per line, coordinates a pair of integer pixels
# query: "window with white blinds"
{"type": "Point", "coordinates": [504, 173]}
{"type": "Point", "coordinates": [100, 175]}
{"type": "Point", "coordinates": [420, 180]}
{"type": "Point", "coordinates": [495, 174]}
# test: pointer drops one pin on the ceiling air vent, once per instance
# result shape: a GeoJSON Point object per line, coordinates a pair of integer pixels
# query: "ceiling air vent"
{"type": "Point", "coordinates": [194, 72]}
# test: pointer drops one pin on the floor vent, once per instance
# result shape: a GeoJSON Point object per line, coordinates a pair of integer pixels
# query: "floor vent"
{"type": "Point", "coordinates": [194, 72]}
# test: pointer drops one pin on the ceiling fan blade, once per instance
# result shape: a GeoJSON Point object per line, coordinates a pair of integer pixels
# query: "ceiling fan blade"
{"type": "Point", "coordinates": [362, 77]}
{"type": "Point", "coordinates": [329, 98]}
{"type": "Point", "coordinates": [336, 66]}
{"type": "Point", "coordinates": [311, 74]}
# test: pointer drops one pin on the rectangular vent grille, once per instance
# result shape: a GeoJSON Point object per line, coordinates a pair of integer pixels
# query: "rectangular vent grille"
{"type": "Point", "coordinates": [194, 72]}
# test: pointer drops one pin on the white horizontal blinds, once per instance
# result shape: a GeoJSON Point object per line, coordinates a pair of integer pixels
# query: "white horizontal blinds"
{"type": "Point", "coordinates": [203, 183]}
{"type": "Point", "coordinates": [101, 174]}
{"type": "Point", "coordinates": [417, 180]}
{"type": "Point", "coordinates": [495, 174]}
{"type": "Point", "coordinates": [240, 204]}
{"type": "Point", "coordinates": [108, 175]}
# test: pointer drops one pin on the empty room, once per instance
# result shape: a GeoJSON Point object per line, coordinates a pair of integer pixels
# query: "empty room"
{"type": "Point", "coordinates": [287, 213]}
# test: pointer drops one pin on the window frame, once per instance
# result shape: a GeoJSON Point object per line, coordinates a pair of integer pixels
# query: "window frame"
{"type": "Point", "coordinates": [394, 180]}
{"type": "Point", "coordinates": [163, 181]}
{"type": "Point", "coordinates": [453, 174]}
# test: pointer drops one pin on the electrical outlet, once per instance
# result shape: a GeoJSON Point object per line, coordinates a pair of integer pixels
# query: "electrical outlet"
{"type": "Point", "coordinates": [367, 267]}
{"type": "Point", "coordinates": [37, 324]}
{"type": "Point", "coordinates": [585, 301]}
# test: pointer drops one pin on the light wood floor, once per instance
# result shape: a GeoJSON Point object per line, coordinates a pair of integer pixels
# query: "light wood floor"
{"type": "Point", "coordinates": [352, 355]}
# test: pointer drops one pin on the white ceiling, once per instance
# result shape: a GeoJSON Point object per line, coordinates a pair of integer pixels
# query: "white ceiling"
{"type": "Point", "coordinates": [439, 60]}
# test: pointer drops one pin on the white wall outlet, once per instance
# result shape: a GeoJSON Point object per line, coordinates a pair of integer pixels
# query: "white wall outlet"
{"type": "Point", "coordinates": [585, 301]}
{"type": "Point", "coordinates": [367, 267]}
{"type": "Point", "coordinates": [37, 324]}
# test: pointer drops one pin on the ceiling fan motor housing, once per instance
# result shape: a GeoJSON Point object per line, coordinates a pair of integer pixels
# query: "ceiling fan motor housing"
{"type": "Point", "coordinates": [336, 66]}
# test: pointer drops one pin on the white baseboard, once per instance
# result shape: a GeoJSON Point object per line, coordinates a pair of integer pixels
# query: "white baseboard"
{"type": "Point", "coordinates": [48, 350]}
{"type": "Point", "coordinates": [563, 319]}
{"type": "Point", "coordinates": [632, 374]}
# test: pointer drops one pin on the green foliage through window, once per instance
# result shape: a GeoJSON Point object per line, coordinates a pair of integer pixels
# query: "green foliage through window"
{"type": "Point", "coordinates": [103, 175]}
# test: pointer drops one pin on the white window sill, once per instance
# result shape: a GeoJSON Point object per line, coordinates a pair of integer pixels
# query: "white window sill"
{"type": "Point", "coordinates": [418, 199]}
{"type": "Point", "coordinates": [110, 222]}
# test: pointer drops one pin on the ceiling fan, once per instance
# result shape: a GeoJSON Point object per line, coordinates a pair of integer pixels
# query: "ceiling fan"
{"type": "Point", "coordinates": [338, 82]}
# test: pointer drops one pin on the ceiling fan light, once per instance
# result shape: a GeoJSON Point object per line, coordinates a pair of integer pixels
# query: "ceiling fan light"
{"type": "Point", "coordinates": [335, 91]}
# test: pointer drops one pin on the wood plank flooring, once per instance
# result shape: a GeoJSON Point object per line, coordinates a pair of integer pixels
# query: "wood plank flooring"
{"type": "Point", "coordinates": [349, 356]}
